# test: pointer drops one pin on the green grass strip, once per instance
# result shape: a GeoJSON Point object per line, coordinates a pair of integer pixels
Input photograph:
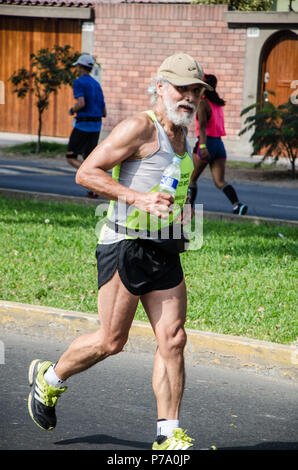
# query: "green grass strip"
{"type": "Point", "coordinates": [243, 281]}
{"type": "Point", "coordinates": [47, 149]}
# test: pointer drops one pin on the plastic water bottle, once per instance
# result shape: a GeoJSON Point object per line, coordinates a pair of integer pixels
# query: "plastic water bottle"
{"type": "Point", "coordinates": [171, 177]}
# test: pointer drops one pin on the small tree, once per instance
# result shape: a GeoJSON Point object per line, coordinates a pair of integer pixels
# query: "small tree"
{"type": "Point", "coordinates": [275, 130]}
{"type": "Point", "coordinates": [49, 69]}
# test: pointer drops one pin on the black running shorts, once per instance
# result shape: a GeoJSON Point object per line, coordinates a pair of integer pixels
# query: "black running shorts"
{"type": "Point", "coordinates": [82, 143]}
{"type": "Point", "coordinates": [142, 266]}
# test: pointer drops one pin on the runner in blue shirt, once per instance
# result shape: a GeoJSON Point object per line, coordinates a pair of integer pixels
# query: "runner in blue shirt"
{"type": "Point", "coordinates": [89, 108]}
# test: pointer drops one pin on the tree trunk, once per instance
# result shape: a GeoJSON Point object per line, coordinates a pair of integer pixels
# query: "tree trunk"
{"type": "Point", "coordinates": [293, 168]}
{"type": "Point", "coordinates": [39, 131]}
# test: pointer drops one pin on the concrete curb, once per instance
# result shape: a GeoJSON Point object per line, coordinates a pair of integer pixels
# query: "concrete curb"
{"type": "Point", "coordinates": [202, 347]}
{"type": "Point", "coordinates": [49, 197]}
{"type": "Point", "coordinates": [46, 197]}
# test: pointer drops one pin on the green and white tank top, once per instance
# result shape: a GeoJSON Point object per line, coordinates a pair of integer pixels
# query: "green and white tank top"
{"type": "Point", "coordinates": [144, 175]}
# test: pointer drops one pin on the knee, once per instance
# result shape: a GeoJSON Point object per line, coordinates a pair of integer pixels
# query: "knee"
{"type": "Point", "coordinates": [102, 345]}
{"type": "Point", "coordinates": [219, 183]}
{"type": "Point", "coordinates": [71, 156]}
{"type": "Point", "coordinates": [115, 345]}
{"type": "Point", "coordinates": [173, 342]}
{"type": "Point", "coordinates": [179, 340]}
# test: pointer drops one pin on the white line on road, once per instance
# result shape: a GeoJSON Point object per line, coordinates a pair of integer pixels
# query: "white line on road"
{"type": "Point", "coordinates": [18, 170]}
{"type": "Point", "coordinates": [282, 205]}
{"type": "Point", "coordinates": [8, 172]}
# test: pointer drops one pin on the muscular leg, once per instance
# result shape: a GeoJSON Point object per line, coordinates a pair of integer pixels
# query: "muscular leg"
{"type": "Point", "coordinates": [72, 160]}
{"type": "Point", "coordinates": [217, 168]}
{"type": "Point", "coordinates": [116, 309]}
{"type": "Point", "coordinates": [199, 167]}
{"type": "Point", "coordinates": [218, 175]}
{"type": "Point", "coordinates": [166, 311]}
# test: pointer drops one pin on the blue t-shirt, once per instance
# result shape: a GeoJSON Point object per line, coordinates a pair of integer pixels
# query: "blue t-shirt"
{"type": "Point", "coordinates": [88, 88]}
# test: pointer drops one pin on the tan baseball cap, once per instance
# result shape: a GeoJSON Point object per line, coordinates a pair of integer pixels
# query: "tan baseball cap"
{"type": "Point", "coordinates": [182, 70]}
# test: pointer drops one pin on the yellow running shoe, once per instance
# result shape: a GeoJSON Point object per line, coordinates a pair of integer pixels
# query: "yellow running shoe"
{"type": "Point", "coordinates": [43, 397]}
{"type": "Point", "coordinates": [179, 441]}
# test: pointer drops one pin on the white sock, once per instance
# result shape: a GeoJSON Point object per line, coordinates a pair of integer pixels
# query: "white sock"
{"type": "Point", "coordinates": [165, 427]}
{"type": "Point", "coordinates": [51, 377]}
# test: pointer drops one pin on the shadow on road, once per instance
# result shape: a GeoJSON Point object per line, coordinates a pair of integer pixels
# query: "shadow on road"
{"type": "Point", "coordinates": [101, 439]}
{"type": "Point", "coordinates": [105, 439]}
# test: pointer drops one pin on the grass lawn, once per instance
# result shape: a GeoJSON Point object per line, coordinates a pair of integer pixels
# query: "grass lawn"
{"type": "Point", "coordinates": [243, 281]}
{"type": "Point", "coordinates": [47, 149]}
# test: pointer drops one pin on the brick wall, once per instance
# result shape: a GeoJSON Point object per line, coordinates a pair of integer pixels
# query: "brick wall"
{"type": "Point", "coordinates": [131, 41]}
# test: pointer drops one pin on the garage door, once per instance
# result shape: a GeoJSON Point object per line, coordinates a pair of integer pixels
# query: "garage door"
{"type": "Point", "coordinates": [19, 37]}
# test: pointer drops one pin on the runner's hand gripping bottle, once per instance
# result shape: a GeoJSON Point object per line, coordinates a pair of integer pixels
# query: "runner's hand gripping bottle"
{"type": "Point", "coordinates": [171, 177]}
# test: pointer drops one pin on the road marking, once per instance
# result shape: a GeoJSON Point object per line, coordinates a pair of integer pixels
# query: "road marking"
{"type": "Point", "coordinates": [16, 170]}
{"type": "Point", "coordinates": [3, 171]}
{"type": "Point", "coordinates": [282, 205]}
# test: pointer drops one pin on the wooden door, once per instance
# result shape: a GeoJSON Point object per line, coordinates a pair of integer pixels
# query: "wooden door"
{"type": "Point", "coordinates": [279, 67]}
{"type": "Point", "coordinates": [19, 37]}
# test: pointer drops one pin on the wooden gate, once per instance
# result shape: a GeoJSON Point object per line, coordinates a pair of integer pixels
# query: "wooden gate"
{"type": "Point", "coordinates": [279, 67]}
{"type": "Point", "coordinates": [19, 37]}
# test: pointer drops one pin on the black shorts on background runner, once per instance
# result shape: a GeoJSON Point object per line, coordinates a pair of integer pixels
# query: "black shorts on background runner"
{"type": "Point", "coordinates": [82, 143]}
{"type": "Point", "coordinates": [142, 265]}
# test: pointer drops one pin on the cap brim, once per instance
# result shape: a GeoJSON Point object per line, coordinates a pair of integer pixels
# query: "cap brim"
{"type": "Point", "coordinates": [83, 65]}
{"type": "Point", "coordinates": [184, 81]}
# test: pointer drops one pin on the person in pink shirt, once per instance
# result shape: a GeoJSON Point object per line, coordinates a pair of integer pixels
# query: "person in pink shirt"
{"type": "Point", "coordinates": [209, 148]}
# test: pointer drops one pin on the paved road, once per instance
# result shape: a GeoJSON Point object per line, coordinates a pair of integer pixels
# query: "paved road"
{"type": "Point", "coordinates": [59, 178]}
{"type": "Point", "coordinates": [111, 406]}
{"type": "Point", "coordinates": [262, 201]}
{"type": "Point", "coordinates": [46, 176]}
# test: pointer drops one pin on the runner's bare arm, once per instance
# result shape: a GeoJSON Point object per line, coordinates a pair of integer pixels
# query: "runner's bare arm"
{"type": "Point", "coordinates": [79, 104]}
{"type": "Point", "coordinates": [127, 140]}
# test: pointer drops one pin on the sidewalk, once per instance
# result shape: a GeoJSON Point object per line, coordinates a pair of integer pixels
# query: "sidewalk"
{"type": "Point", "coordinates": [259, 357]}
{"type": "Point", "coordinates": [8, 139]}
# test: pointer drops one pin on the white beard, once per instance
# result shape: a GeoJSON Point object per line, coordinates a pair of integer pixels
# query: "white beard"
{"type": "Point", "coordinates": [178, 118]}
